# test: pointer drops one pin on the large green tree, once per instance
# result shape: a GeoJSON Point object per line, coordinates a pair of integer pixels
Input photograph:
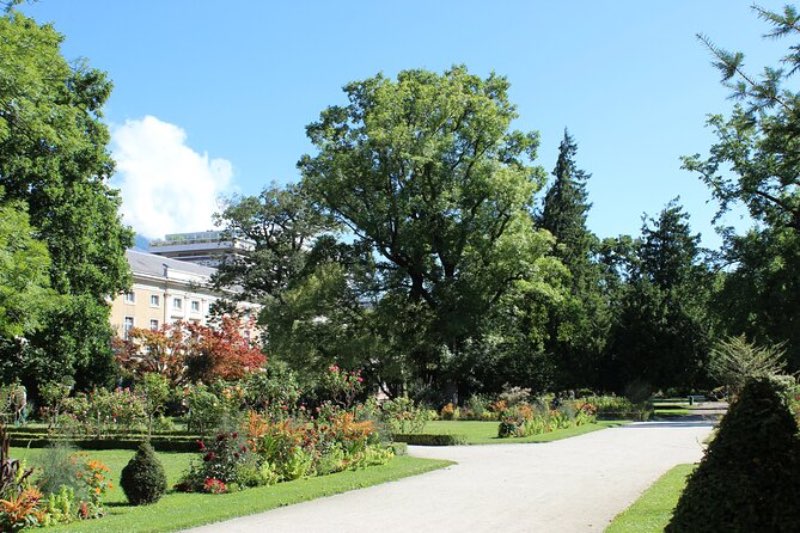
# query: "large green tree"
{"type": "Point", "coordinates": [662, 332]}
{"type": "Point", "coordinates": [53, 159]}
{"type": "Point", "coordinates": [578, 325]}
{"type": "Point", "coordinates": [426, 172]}
{"type": "Point", "coordinates": [755, 162]}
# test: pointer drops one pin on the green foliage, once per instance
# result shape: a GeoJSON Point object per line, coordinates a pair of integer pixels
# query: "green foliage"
{"type": "Point", "coordinates": [224, 458]}
{"type": "Point", "coordinates": [754, 162]}
{"type": "Point", "coordinates": [662, 330]}
{"type": "Point", "coordinates": [402, 415]}
{"type": "Point", "coordinates": [578, 324]}
{"type": "Point", "coordinates": [426, 173]}
{"type": "Point", "coordinates": [735, 361]}
{"type": "Point", "coordinates": [207, 411]}
{"type": "Point", "coordinates": [282, 224]}
{"type": "Point", "coordinates": [154, 390]}
{"type": "Point", "coordinates": [750, 476]}
{"type": "Point", "coordinates": [58, 469]}
{"type": "Point", "coordinates": [24, 265]}
{"type": "Point", "coordinates": [54, 165]}
{"type": "Point", "coordinates": [143, 478]}
{"type": "Point", "coordinates": [98, 413]}
{"type": "Point", "coordinates": [523, 419]}
{"type": "Point", "coordinates": [269, 390]}
{"type": "Point", "coordinates": [53, 157]}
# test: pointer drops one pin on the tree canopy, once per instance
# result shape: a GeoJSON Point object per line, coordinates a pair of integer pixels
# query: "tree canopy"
{"type": "Point", "coordinates": [426, 171]}
{"type": "Point", "coordinates": [55, 165]}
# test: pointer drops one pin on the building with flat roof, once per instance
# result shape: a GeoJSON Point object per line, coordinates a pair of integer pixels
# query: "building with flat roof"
{"type": "Point", "coordinates": [166, 290]}
{"type": "Point", "coordinates": [203, 247]}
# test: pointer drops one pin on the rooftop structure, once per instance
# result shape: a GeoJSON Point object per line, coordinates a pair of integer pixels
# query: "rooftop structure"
{"type": "Point", "coordinates": [203, 247]}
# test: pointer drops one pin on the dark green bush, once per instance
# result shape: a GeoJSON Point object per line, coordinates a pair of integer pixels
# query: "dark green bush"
{"type": "Point", "coordinates": [143, 478]}
{"type": "Point", "coordinates": [425, 439]}
{"type": "Point", "coordinates": [182, 445]}
{"type": "Point", "coordinates": [749, 478]}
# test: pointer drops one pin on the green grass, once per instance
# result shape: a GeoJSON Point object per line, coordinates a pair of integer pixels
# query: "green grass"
{"type": "Point", "coordinates": [653, 510]}
{"type": "Point", "coordinates": [478, 432]}
{"type": "Point", "coordinates": [179, 510]}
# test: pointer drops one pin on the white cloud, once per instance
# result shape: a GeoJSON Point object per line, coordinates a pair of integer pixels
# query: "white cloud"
{"type": "Point", "coordinates": [166, 186]}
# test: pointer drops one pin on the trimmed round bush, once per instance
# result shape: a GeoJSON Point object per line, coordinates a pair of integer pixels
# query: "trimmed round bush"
{"type": "Point", "coordinates": [143, 479]}
{"type": "Point", "coordinates": [749, 478]}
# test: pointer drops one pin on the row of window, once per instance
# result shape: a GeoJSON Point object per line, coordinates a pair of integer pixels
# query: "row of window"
{"type": "Point", "coordinates": [155, 301]}
{"type": "Point", "coordinates": [127, 326]}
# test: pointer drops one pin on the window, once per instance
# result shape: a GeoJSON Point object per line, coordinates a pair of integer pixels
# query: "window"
{"type": "Point", "coordinates": [177, 303]}
{"type": "Point", "coordinates": [127, 326]}
{"type": "Point", "coordinates": [153, 324]}
{"type": "Point", "coordinates": [130, 297]}
{"type": "Point", "coordinates": [155, 301]}
{"type": "Point", "coordinates": [195, 306]}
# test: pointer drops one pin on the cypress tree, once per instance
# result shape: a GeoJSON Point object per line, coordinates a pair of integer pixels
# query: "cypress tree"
{"type": "Point", "coordinates": [749, 478]}
{"type": "Point", "coordinates": [143, 479]}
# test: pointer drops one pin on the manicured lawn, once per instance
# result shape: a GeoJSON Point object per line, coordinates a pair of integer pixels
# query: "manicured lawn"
{"type": "Point", "coordinates": [180, 510]}
{"type": "Point", "coordinates": [478, 432]}
{"type": "Point", "coordinates": [653, 510]}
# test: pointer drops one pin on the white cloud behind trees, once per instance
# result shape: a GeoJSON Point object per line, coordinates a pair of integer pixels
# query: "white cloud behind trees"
{"type": "Point", "coordinates": [166, 186]}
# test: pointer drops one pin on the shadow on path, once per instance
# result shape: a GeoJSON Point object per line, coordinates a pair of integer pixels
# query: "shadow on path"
{"type": "Point", "coordinates": [671, 424]}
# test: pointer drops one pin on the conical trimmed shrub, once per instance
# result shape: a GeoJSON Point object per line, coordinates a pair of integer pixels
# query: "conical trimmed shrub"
{"type": "Point", "coordinates": [749, 479]}
{"type": "Point", "coordinates": [143, 479]}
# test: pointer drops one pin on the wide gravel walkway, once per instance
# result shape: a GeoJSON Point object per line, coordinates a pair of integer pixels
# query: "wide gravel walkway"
{"type": "Point", "coordinates": [576, 484]}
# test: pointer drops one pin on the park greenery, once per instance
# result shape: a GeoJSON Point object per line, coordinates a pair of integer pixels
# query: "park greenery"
{"type": "Point", "coordinates": [424, 258]}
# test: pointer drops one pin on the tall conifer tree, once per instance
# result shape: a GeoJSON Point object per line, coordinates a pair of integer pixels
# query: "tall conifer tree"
{"type": "Point", "coordinates": [577, 328]}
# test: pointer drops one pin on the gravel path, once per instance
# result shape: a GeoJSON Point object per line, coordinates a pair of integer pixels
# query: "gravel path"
{"type": "Point", "coordinates": [576, 484]}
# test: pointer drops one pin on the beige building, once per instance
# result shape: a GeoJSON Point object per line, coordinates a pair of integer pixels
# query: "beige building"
{"type": "Point", "coordinates": [164, 291]}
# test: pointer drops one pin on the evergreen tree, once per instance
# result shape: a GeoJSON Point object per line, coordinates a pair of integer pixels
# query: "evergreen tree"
{"type": "Point", "coordinates": [662, 333]}
{"type": "Point", "coordinates": [578, 326]}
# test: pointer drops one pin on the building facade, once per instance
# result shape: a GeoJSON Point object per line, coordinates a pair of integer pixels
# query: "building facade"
{"type": "Point", "coordinates": [165, 291]}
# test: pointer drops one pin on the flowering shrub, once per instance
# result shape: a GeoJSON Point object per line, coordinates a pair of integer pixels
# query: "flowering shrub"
{"type": "Point", "coordinates": [214, 486]}
{"type": "Point", "coordinates": [449, 412]}
{"type": "Point", "coordinates": [23, 504]}
{"type": "Point", "coordinates": [271, 391]}
{"type": "Point", "coordinates": [21, 510]}
{"type": "Point", "coordinates": [342, 386]}
{"type": "Point", "coordinates": [401, 415]}
{"type": "Point", "coordinates": [101, 410]}
{"type": "Point", "coordinates": [524, 419]}
{"type": "Point", "coordinates": [221, 459]}
{"type": "Point", "coordinates": [210, 407]}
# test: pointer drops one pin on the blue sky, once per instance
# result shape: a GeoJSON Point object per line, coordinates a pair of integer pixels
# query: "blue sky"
{"type": "Point", "coordinates": [213, 97]}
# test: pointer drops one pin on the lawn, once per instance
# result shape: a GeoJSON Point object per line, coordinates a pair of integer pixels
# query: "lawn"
{"type": "Point", "coordinates": [179, 510]}
{"type": "Point", "coordinates": [478, 432]}
{"type": "Point", "coordinates": [653, 510]}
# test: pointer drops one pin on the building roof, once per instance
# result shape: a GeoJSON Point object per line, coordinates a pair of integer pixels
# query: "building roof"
{"type": "Point", "coordinates": [153, 265]}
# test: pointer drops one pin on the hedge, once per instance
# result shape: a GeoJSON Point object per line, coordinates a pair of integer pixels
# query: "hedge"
{"type": "Point", "coordinates": [427, 439]}
{"type": "Point", "coordinates": [161, 445]}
